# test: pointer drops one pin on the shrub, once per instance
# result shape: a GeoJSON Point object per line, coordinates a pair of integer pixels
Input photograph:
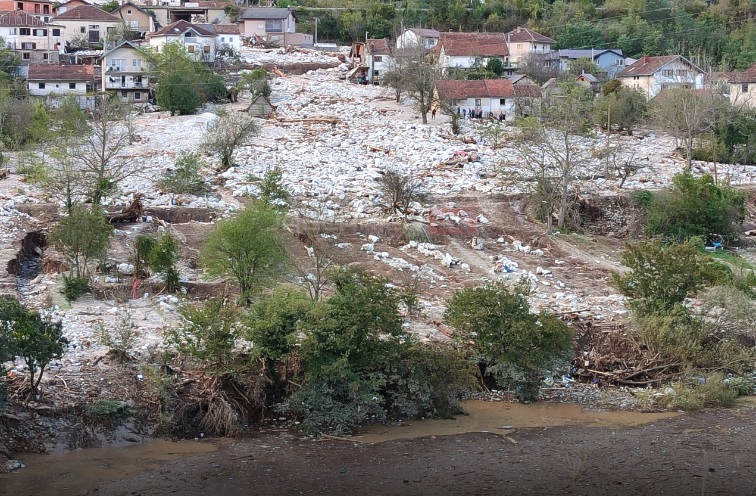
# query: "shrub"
{"type": "Point", "coordinates": [163, 257]}
{"type": "Point", "coordinates": [185, 177]}
{"type": "Point", "coordinates": [105, 409]}
{"type": "Point", "coordinates": [706, 392]}
{"type": "Point", "coordinates": [399, 190]}
{"type": "Point", "coordinates": [121, 337]}
{"type": "Point", "coordinates": [74, 287]}
{"type": "Point", "coordinates": [82, 236]}
{"type": "Point", "coordinates": [696, 207]}
{"type": "Point", "coordinates": [272, 190]}
{"type": "Point", "coordinates": [514, 345]}
{"type": "Point", "coordinates": [141, 257]}
{"type": "Point", "coordinates": [664, 275]}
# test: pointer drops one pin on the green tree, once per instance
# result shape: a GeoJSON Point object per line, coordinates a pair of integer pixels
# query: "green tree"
{"type": "Point", "coordinates": [163, 257]}
{"type": "Point", "coordinates": [32, 337]}
{"type": "Point", "coordinates": [623, 108]}
{"type": "Point", "coordinates": [249, 247]}
{"type": "Point", "coordinates": [178, 94]}
{"type": "Point", "coordinates": [515, 345]}
{"type": "Point", "coordinates": [664, 275]}
{"type": "Point", "coordinates": [81, 236]}
{"type": "Point", "coordinates": [185, 176]}
{"type": "Point", "coordinates": [495, 66]}
{"type": "Point", "coordinates": [229, 132]}
{"type": "Point", "coordinates": [696, 207]}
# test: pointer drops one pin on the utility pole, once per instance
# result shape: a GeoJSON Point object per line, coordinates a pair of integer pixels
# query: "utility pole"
{"type": "Point", "coordinates": [316, 31]}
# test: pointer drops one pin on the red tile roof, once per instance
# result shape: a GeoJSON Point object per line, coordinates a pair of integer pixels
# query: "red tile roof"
{"type": "Point", "coordinates": [449, 89]}
{"type": "Point", "coordinates": [181, 27]}
{"type": "Point", "coordinates": [746, 76]}
{"type": "Point", "coordinates": [226, 28]}
{"type": "Point", "coordinates": [648, 66]}
{"type": "Point", "coordinates": [379, 46]}
{"type": "Point", "coordinates": [520, 34]}
{"type": "Point", "coordinates": [19, 18]}
{"type": "Point", "coordinates": [86, 13]}
{"type": "Point", "coordinates": [51, 72]}
{"type": "Point", "coordinates": [473, 44]}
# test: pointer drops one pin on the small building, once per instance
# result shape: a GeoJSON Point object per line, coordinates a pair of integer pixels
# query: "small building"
{"type": "Point", "coordinates": [34, 41]}
{"type": "Point", "coordinates": [125, 72]}
{"type": "Point", "coordinates": [226, 35]}
{"type": "Point", "coordinates": [86, 26]}
{"type": "Point", "coordinates": [740, 87]}
{"type": "Point", "coordinates": [466, 50]}
{"type": "Point", "coordinates": [54, 82]}
{"type": "Point", "coordinates": [528, 100]}
{"type": "Point", "coordinates": [523, 41]}
{"type": "Point", "coordinates": [491, 97]}
{"type": "Point", "coordinates": [71, 4]}
{"type": "Point", "coordinates": [44, 10]}
{"type": "Point", "coordinates": [371, 60]}
{"type": "Point", "coordinates": [589, 82]}
{"type": "Point", "coordinates": [136, 19]}
{"type": "Point", "coordinates": [273, 25]}
{"type": "Point", "coordinates": [196, 40]}
{"type": "Point", "coordinates": [260, 107]}
{"type": "Point", "coordinates": [651, 75]}
{"type": "Point", "coordinates": [609, 60]}
{"type": "Point", "coordinates": [427, 38]}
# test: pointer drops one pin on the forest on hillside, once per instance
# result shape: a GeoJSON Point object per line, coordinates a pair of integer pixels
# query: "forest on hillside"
{"type": "Point", "coordinates": [717, 35]}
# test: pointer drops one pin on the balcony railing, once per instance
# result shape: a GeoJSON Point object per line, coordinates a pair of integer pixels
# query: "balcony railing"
{"type": "Point", "coordinates": [128, 85]}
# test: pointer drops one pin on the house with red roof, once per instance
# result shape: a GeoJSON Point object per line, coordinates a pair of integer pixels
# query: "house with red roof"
{"type": "Point", "coordinates": [491, 97]}
{"type": "Point", "coordinates": [523, 41]}
{"type": "Point", "coordinates": [86, 25]}
{"type": "Point", "coordinates": [34, 41]}
{"type": "Point", "coordinates": [651, 75]}
{"type": "Point", "coordinates": [56, 81]}
{"type": "Point", "coordinates": [197, 40]}
{"type": "Point", "coordinates": [427, 38]}
{"type": "Point", "coordinates": [739, 86]}
{"type": "Point", "coordinates": [466, 50]}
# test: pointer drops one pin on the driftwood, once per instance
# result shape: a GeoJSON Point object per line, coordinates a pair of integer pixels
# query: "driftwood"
{"type": "Point", "coordinates": [320, 120]}
{"type": "Point", "coordinates": [4, 173]}
{"type": "Point", "coordinates": [132, 213]}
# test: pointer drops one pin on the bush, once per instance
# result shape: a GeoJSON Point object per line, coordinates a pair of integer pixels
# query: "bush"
{"type": "Point", "coordinates": [360, 366]}
{"type": "Point", "coordinates": [514, 345]}
{"type": "Point", "coordinates": [163, 257]}
{"type": "Point", "coordinates": [696, 207]}
{"type": "Point", "coordinates": [105, 409]}
{"type": "Point", "coordinates": [141, 257]}
{"type": "Point", "coordinates": [185, 177]}
{"type": "Point", "coordinates": [399, 190]}
{"type": "Point", "coordinates": [120, 337]}
{"type": "Point", "coordinates": [74, 287]}
{"type": "Point", "coordinates": [707, 392]}
{"type": "Point", "coordinates": [82, 236]}
{"type": "Point", "coordinates": [664, 275]}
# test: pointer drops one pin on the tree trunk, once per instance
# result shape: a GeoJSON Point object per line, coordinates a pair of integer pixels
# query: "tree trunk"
{"type": "Point", "coordinates": [689, 152]}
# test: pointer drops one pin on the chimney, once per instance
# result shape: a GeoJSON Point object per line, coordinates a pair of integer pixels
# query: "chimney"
{"type": "Point", "coordinates": [646, 59]}
{"type": "Point", "coordinates": [519, 28]}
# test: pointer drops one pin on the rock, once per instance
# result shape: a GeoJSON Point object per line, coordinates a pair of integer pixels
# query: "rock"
{"type": "Point", "coordinates": [125, 268]}
{"type": "Point", "coordinates": [373, 239]}
{"type": "Point", "coordinates": [368, 247]}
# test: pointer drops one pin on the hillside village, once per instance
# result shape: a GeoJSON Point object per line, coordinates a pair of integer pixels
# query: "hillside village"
{"type": "Point", "coordinates": [527, 220]}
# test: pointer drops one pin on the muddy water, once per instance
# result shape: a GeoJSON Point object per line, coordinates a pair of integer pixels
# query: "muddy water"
{"type": "Point", "coordinates": [81, 471]}
{"type": "Point", "coordinates": [500, 418]}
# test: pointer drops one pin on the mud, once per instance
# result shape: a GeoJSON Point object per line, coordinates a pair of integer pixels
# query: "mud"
{"type": "Point", "coordinates": [81, 471]}
{"type": "Point", "coordinates": [500, 418]}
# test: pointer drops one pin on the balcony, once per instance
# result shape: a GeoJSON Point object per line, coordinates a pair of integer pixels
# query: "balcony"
{"type": "Point", "coordinates": [127, 85]}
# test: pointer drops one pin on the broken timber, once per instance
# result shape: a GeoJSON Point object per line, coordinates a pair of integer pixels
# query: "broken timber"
{"type": "Point", "coordinates": [132, 213]}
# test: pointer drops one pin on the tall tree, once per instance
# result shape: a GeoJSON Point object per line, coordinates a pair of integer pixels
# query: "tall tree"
{"type": "Point", "coordinates": [687, 115]}
{"type": "Point", "coordinates": [418, 76]}
{"type": "Point", "coordinates": [553, 148]}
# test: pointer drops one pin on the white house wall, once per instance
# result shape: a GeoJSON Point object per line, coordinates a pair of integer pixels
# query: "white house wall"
{"type": "Point", "coordinates": [487, 104]}
{"type": "Point", "coordinates": [57, 88]}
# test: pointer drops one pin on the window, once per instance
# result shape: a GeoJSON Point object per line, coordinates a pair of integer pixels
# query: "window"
{"type": "Point", "coordinates": [40, 32]}
{"type": "Point", "coordinates": [206, 49]}
{"type": "Point", "coordinates": [83, 30]}
{"type": "Point", "coordinates": [682, 73]}
{"type": "Point", "coordinates": [125, 94]}
{"type": "Point", "coordinates": [26, 56]}
{"type": "Point", "coordinates": [190, 48]}
{"type": "Point", "coordinates": [28, 46]}
{"type": "Point", "coordinates": [41, 86]}
{"type": "Point", "coordinates": [668, 72]}
{"type": "Point", "coordinates": [377, 58]}
{"type": "Point", "coordinates": [37, 9]}
{"type": "Point", "coordinates": [518, 46]}
{"type": "Point", "coordinates": [128, 11]}
{"type": "Point", "coordinates": [136, 63]}
{"type": "Point", "coordinates": [25, 31]}
{"type": "Point", "coordinates": [223, 40]}
{"type": "Point", "coordinates": [274, 25]}
{"type": "Point", "coordinates": [56, 32]}
{"type": "Point", "coordinates": [71, 86]}
{"type": "Point", "coordinates": [20, 5]}
{"type": "Point", "coordinates": [45, 9]}
{"type": "Point", "coordinates": [137, 96]}
{"type": "Point", "coordinates": [619, 62]}
{"type": "Point", "coordinates": [636, 86]}
{"type": "Point", "coordinates": [44, 56]}
{"type": "Point", "coordinates": [477, 102]}
{"type": "Point", "coordinates": [117, 64]}
{"type": "Point", "coordinates": [12, 31]}
{"type": "Point", "coordinates": [503, 101]}
{"type": "Point", "coordinates": [376, 73]}
{"type": "Point", "coordinates": [744, 88]}
{"type": "Point", "coordinates": [134, 24]}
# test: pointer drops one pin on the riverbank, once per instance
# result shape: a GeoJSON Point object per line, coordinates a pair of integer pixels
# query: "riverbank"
{"type": "Point", "coordinates": [707, 452]}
